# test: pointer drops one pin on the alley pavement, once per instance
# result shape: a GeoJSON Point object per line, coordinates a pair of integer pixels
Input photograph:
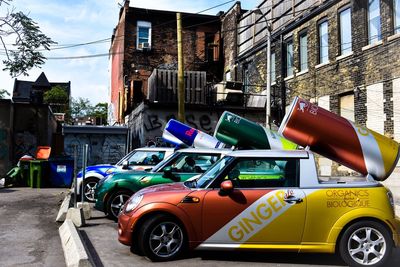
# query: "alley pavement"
{"type": "Point", "coordinates": [28, 232]}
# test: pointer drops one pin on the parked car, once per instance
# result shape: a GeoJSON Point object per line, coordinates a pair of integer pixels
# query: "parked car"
{"type": "Point", "coordinates": [263, 200]}
{"type": "Point", "coordinates": [138, 159]}
{"type": "Point", "coordinates": [113, 191]}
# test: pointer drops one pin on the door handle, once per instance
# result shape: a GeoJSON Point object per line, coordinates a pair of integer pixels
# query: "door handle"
{"type": "Point", "coordinates": [293, 200]}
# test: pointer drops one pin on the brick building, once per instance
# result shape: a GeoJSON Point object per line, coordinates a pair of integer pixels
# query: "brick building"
{"type": "Point", "coordinates": [144, 73]}
{"type": "Point", "coordinates": [145, 40]}
{"type": "Point", "coordinates": [342, 54]}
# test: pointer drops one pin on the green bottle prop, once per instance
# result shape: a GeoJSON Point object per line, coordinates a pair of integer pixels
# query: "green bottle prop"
{"type": "Point", "coordinates": [237, 131]}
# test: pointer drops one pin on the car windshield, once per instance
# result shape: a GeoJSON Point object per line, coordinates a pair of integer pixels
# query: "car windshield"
{"type": "Point", "coordinates": [211, 173]}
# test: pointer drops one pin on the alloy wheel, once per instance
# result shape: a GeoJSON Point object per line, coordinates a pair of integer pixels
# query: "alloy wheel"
{"type": "Point", "coordinates": [118, 202]}
{"type": "Point", "coordinates": [166, 239]}
{"type": "Point", "coordinates": [366, 246]}
{"type": "Point", "coordinates": [89, 190]}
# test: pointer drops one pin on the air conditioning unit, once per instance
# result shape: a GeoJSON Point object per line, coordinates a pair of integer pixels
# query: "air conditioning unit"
{"type": "Point", "coordinates": [144, 46]}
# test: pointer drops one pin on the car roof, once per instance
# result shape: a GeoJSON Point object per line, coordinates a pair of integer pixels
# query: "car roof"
{"type": "Point", "coordinates": [270, 153]}
{"type": "Point", "coordinates": [155, 149]}
{"type": "Point", "coordinates": [206, 150]}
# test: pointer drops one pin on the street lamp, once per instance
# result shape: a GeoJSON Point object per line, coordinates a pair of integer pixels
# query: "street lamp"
{"type": "Point", "coordinates": [268, 93]}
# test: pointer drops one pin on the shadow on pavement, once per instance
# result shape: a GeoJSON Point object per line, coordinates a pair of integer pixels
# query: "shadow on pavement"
{"type": "Point", "coordinates": [272, 257]}
{"type": "Point", "coordinates": [94, 257]}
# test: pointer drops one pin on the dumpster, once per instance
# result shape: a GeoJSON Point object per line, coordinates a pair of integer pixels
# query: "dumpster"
{"type": "Point", "coordinates": [61, 171]}
{"type": "Point", "coordinates": [36, 173]}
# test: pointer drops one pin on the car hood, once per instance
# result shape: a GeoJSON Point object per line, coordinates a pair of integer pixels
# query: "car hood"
{"type": "Point", "coordinates": [172, 187]}
{"type": "Point", "coordinates": [101, 168]}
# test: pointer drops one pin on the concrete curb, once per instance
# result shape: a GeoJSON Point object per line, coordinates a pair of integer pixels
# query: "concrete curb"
{"type": "Point", "coordinates": [62, 213]}
{"type": "Point", "coordinates": [74, 251]}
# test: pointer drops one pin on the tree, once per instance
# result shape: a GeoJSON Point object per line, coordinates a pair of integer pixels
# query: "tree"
{"type": "Point", "coordinates": [29, 41]}
{"type": "Point", "coordinates": [3, 93]}
{"type": "Point", "coordinates": [80, 107]}
{"type": "Point", "coordinates": [57, 98]}
{"type": "Point", "coordinates": [100, 112]}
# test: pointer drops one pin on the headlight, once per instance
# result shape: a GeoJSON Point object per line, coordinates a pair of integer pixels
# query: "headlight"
{"type": "Point", "coordinates": [133, 202]}
{"type": "Point", "coordinates": [109, 171]}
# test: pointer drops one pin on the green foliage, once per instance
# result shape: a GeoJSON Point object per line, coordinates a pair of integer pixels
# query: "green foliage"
{"type": "Point", "coordinates": [3, 93]}
{"type": "Point", "coordinates": [57, 94]}
{"type": "Point", "coordinates": [29, 42]}
{"type": "Point", "coordinates": [80, 107]}
{"type": "Point", "coordinates": [57, 98]}
{"type": "Point", "coordinates": [100, 111]}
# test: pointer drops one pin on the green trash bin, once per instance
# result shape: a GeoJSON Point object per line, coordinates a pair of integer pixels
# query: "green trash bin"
{"type": "Point", "coordinates": [36, 173]}
{"type": "Point", "coordinates": [25, 172]}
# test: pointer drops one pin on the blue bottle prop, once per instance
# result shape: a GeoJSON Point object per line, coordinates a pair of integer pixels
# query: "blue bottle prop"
{"type": "Point", "coordinates": [180, 134]}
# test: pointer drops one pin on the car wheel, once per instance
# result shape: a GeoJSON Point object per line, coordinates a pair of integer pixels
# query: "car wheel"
{"type": "Point", "coordinates": [89, 186]}
{"type": "Point", "coordinates": [162, 238]}
{"type": "Point", "coordinates": [116, 202]}
{"type": "Point", "coordinates": [366, 243]}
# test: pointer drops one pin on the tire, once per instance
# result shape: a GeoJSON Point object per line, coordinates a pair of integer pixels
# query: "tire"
{"type": "Point", "coordinates": [366, 243]}
{"type": "Point", "coordinates": [89, 185]}
{"type": "Point", "coordinates": [116, 202]}
{"type": "Point", "coordinates": [162, 238]}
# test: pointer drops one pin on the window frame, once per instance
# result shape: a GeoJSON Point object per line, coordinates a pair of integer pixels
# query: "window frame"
{"type": "Point", "coordinates": [302, 34]}
{"type": "Point", "coordinates": [371, 40]}
{"type": "Point", "coordinates": [287, 42]}
{"type": "Point", "coordinates": [272, 68]}
{"type": "Point", "coordinates": [396, 23]}
{"type": "Point", "coordinates": [340, 35]}
{"type": "Point", "coordinates": [143, 24]}
{"type": "Point", "coordinates": [320, 47]}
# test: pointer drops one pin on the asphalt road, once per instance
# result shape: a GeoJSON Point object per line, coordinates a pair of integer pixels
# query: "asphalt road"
{"type": "Point", "coordinates": [28, 231]}
{"type": "Point", "coordinates": [100, 237]}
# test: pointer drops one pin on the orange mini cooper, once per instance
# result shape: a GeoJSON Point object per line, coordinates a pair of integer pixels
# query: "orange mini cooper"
{"type": "Point", "coordinates": [263, 200]}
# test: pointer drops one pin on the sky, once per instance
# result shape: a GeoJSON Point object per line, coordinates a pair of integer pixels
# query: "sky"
{"type": "Point", "coordinates": [79, 22]}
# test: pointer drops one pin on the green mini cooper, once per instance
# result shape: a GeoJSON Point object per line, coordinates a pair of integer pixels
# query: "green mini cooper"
{"type": "Point", "coordinates": [113, 191]}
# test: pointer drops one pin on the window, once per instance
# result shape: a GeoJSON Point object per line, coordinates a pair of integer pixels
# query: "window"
{"type": "Point", "coordinates": [143, 39]}
{"type": "Point", "coordinates": [347, 106]}
{"type": "Point", "coordinates": [228, 76]}
{"type": "Point", "coordinates": [303, 55]}
{"type": "Point", "coordinates": [289, 58]}
{"type": "Point", "coordinates": [345, 31]}
{"type": "Point", "coordinates": [259, 173]}
{"type": "Point", "coordinates": [323, 42]}
{"type": "Point", "coordinates": [146, 158]}
{"type": "Point", "coordinates": [396, 10]}
{"type": "Point", "coordinates": [192, 163]}
{"type": "Point", "coordinates": [272, 68]}
{"type": "Point", "coordinates": [374, 21]}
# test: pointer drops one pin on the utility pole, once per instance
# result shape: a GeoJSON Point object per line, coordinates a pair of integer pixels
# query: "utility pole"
{"type": "Point", "coordinates": [181, 86]}
{"type": "Point", "coordinates": [268, 78]}
{"type": "Point", "coordinates": [268, 106]}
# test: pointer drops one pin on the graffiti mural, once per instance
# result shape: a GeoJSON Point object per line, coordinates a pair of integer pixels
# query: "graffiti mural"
{"type": "Point", "coordinates": [103, 148]}
{"type": "Point", "coordinates": [146, 125]}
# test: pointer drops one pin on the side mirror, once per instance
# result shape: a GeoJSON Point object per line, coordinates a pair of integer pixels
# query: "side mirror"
{"type": "Point", "coordinates": [125, 165]}
{"type": "Point", "coordinates": [226, 187]}
{"type": "Point", "coordinates": [168, 174]}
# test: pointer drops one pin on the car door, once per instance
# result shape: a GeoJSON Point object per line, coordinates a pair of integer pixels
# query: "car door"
{"type": "Point", "coordinates": [266, 206]}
